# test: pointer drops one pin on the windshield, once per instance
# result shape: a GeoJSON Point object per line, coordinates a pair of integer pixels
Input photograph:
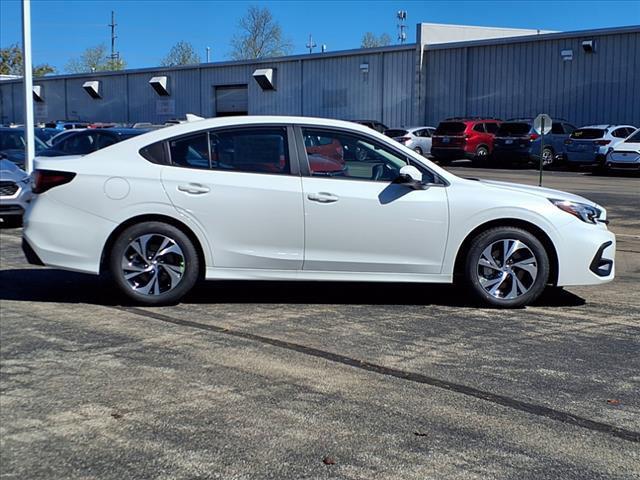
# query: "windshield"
{"type": "Point", "coordinates": [588, 133]}
{"type": "Point", "coordinates": [508, 129]}
{"type": "Point", "coordinates": [450, 128]}
{"type": "Point", "coordinates": [14, 140]}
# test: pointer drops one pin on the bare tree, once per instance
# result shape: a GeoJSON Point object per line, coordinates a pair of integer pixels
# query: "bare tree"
{"type": "Point", "coordinates": [95, 59]}
{"type": "Point", "coordinates": [182, 53]}
{"type": "Point", "coordinates": [11, 63]}
{"type": "Point", "coordinates": [260, 36]}
{"type": "Point", "coordinates": [369, 40]}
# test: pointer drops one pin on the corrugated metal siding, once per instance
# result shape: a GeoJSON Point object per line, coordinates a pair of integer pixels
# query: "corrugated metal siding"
{"type": "Point", "coordinates": [286, 99]}
{"type": "Point", "coordinates": [397, 91]}
{"type": "Point", "coordinates": [110, 108]}
{"type": "Point", "coordinates": [524, 79]}
{"type": "Point", "coordinates": [6, 103]}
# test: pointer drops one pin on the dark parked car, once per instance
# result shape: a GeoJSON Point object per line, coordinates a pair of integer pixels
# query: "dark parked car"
{"type": "Point", "coordinates": [457, 138]}
{"type": "Point", "coordinates": [12, 145]}
{"type": "Point", "coordinates": [90, 140]}
{"type": "Point", "coordinates": [516, 141]}
{"type": "Point", "coordinates": [46, 134]}
{"type": "Point", "coordinates": [376, 125]}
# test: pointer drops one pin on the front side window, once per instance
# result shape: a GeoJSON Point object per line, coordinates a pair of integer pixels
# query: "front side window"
{"type": "Point", "coordinates": [353, 157]}
{"type": "Point", "coordinates": [557, 128]}
{"type": "Point", "coordinates": [478, 127]}
{"type": "Point", "coordinates": [492, 127]}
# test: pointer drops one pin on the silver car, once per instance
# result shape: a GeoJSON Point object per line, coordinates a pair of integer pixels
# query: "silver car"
{"type": "Point", "coordinates": [416, 138]}
{"type": "Point", "coordinates": [15, 192]}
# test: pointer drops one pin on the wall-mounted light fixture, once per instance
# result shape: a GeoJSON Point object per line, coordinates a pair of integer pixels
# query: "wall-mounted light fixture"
{"type": "Point", "coordinates": [589, 46]}
{"type": "Point", "coordinates": [38, 93]}
{"type": "Point", "coordinates": [92, 87]}
{"type": "Point", "coordinates": [160, 85]}
{"type": "Point", "coordinates": [265, 77]}
{"type": "Point", "coordinates": [364, 68]}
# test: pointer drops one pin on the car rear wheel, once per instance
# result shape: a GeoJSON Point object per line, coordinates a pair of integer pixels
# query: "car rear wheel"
{"type": "Point", "coordinates": [506, 267]}
{"type": "Point", "coordinates": [481, 157]}
{"type": "Point", "coordinates": [418, 150]}
{"type": "Point", "coordinates": [154, 263]}
{"type": "Point", "coordinates": [548, 158]}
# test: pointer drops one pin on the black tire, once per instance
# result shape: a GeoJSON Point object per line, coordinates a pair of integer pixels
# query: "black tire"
{"type": "Point", "coordinates": [548, 158]}
{"type": "Point", "coordinates": [189, 263]}
{"type": "Point", "coordinates": [418, 150]}
{"type": "Point", "coordinates": [481, 157]}
{"type": "Point", "coordinates": [472, 268]}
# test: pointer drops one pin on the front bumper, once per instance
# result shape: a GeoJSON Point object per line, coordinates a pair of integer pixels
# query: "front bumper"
{"type": "Point", "coordinates": [16, 204]}
{"type": "Point", "coordinates": [586, 254]}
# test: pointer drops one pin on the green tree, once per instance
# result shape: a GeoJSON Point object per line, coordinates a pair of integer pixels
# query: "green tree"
{"type": "Point", "coordinates": [369, 40]}
{"type": "Point", "coordinates": [95, 59]}
{"type": "Point", "coordinates": [260, 36]}
{"type": "Point", "coordinates": [11, 63]}
{"type": "Point", "coordinates": [182, 53]}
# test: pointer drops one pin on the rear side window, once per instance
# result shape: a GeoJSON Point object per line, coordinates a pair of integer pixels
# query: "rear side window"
{"type": "Point", "coordinates": [478, 127]}
{"type": "Point", "coordinates": [191, 151]}
{"type": "Point", "coordinates": [513, 128]}
{"type": "Point", "coordinates": [621, 133]}
{"type": "Point", "coordinates": [491, 127]}
{"type": "Point", "coordinates": [155, 153]}
{"type": "Point", "coordinates": [588, 133]}
{"type": "Point", "coordinates": [557, 128]}
{"type": "Point", "coordinates": [258, 150]}
{"type": "Point", "coordinates": [568, 128]}
{"type": "Point", "coordinates": [450, 128]}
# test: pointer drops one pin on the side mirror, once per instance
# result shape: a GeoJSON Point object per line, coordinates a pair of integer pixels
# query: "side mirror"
{"type": "Point", "coordinates": [410, 177]}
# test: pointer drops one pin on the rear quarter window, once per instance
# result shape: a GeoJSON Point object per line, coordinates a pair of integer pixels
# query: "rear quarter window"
{"type": "Point", "coordinates": [155, 153]}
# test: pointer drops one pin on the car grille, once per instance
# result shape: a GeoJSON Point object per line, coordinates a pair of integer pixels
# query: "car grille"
{"type": "Point", "coordinates": [7, 189]}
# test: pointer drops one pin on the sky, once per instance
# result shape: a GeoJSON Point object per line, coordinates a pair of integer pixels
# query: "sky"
{"type": "Point", "coordinates": [147, 29]}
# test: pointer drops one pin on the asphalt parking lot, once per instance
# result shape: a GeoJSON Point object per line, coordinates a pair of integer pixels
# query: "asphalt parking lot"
{"type": "Point", "coordinates": [331, 380]}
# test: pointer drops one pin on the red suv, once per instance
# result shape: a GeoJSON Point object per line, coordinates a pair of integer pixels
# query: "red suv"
{"type": "Point", "coordinates": [457, 138]}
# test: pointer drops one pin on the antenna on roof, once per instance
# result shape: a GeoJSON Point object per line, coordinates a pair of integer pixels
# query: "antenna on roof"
{"type": "Point", "coordinates": [311, 44]}
{"type": "Point", "coordinates": [402, 28]}
{"type": "Point", "coordinates": [115, 56]}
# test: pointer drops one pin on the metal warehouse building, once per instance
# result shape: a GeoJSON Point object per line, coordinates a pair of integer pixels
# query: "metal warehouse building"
{"type": "Point", "coordinates": [584, 77]}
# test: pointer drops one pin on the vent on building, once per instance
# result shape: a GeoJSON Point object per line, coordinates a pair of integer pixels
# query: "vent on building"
{"type": "Point", "coordinates": [38, 93]}
{"type": "Point", "coordinates": [589, 46]}
{"type": "Point", "coordinates": [92, 87]}
{"type": "Point", "coordinates": [265, 78]}
{"type": "Point", "coordinates": [160, 85]}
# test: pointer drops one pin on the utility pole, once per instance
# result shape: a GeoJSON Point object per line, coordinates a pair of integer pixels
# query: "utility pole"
{"type": "Point", "coordinates": [311, 44]}
{"type": "Point", "coordinates": [402, 33]}
{"type": "Point", "coordinates": [115, 56]}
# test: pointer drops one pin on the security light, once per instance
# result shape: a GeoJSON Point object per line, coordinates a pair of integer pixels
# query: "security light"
{"type": "Point", "coordinates": [92, 87]}
{"type": "Point", "coordinates": [589, 46]}
{"type": "Point", "coordinates": [160, 85]}
{"type": "Point", "coordinates": [265, 78]}
{"type": "Point", "coordinates": [566, 55]}
{"type": "Point", "coordinates": [38, 93]}
{"type": "Point", "coordinates": [364, 68]}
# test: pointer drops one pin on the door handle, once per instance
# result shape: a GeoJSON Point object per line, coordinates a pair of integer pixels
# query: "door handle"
{"type": "Point", "coordinates": [322, 197]}
{"type": "Point", "coordinates": [193, 188]}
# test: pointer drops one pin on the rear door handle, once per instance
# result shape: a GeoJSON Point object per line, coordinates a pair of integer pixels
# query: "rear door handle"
{"type": "Point", "coordinates": [193, 188]}
{"type": "Point", "coordinates": [322, 197]}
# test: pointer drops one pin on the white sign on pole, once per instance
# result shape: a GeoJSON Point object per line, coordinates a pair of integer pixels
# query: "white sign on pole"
{"type": "Point", "coordinates": [542, 120]}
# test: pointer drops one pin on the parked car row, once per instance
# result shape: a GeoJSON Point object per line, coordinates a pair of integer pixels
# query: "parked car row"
{"type": "Point", "coordinates": [491, 141]}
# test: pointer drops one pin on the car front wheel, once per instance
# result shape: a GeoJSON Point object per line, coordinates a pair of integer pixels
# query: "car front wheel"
{"type": "Point", "coordinates": [154, 263]}
{"type": "Point", "coordinates": [506, 267]}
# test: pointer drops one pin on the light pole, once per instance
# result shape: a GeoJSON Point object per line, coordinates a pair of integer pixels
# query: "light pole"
{"type": "Point", "coordinates": [208, 54]}
{"type": "Point", "coordinates": [29, 148]}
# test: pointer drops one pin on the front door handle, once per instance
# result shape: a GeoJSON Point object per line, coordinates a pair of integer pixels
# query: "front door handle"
{"type": "Point", "coordinates": [322, 197]}
{"type": "Point", "coordinates": [193, 188]}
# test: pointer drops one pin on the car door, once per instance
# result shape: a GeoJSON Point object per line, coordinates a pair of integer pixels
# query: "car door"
{"type": "Point", "coordinates": [424, 137]}
{"type": "Point", "coordinates": [360, 221]}
{"type": "Point", "coordinates": [242, 186]}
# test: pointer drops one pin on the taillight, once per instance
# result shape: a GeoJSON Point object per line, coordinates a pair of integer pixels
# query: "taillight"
{"type": "Point", "coordinates": [404, 139]}
{"type": "Point", "coordinates": [603, 142]}
{"type": "Point", "coordinates": [44, 180]}
{"type": "Point", "coordinates": [533, 136]}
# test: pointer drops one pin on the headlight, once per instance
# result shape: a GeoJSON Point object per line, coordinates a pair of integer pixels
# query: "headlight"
{"type": "Point", "coordinates": [584, 212]}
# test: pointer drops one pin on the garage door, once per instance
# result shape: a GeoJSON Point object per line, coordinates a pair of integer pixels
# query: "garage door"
{"type": "Point", "coordinates": [231, 100]}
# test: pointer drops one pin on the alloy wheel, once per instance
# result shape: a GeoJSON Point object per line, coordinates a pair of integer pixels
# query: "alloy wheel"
{"type": "Point", "coordinates": [153, 264]}
{"type": "Point", "coordinates": [507, 269]}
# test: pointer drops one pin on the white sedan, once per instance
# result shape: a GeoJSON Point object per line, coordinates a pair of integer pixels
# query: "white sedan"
{"type": "Point", "coordinates": [292, 198]}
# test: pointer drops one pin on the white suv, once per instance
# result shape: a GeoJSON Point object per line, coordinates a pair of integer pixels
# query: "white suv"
{"type": "Point", "coordinates": [288, 198]}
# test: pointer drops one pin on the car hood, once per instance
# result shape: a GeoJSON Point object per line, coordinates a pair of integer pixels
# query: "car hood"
{"type": "Point", "coordinates": [539, 191]}
{"type": "Point", "coordinates": [10, 171]}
